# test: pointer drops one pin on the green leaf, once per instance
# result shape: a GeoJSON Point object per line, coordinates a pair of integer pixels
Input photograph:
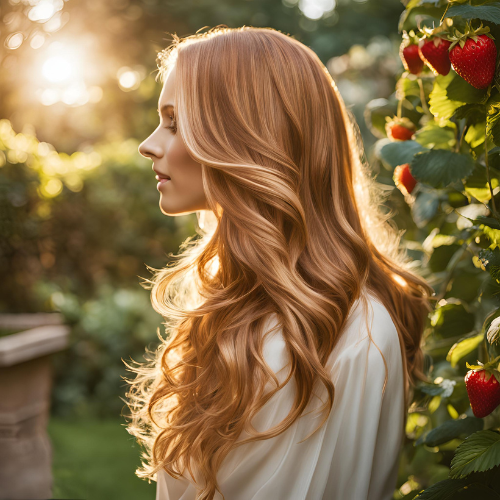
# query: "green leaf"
{"type": "Point", "coordinates": [460, 90]}
{"type": "Point", "coordinates": [494, 158]}
{"type": "Point", "coordinates": [451, 429]}
{"type": "Point", "coordinates": [452, 319]}
{"type": "Point", "coordinates": [424, 208]}
{"type": "Point", "coordinates": [475, 134]}
{"type": "Point", "coordinates": [458, 489]}
{"type": "Point", "coordinates": [440, 168]}
{"type": "Point", "coordinates": [490, 259]}
{"type": "Point", "coordinates": [473, 113]}
{"type": "Point", "coordinates": [432, 135]}
{"type": "Point", "coordinates": [375, 112]}
{"type": "Point", "coordinates": [489, 12]}
{"type": "Point", "coordinates": [407, 87]}
{"type": "Point", "coordinates": [400, 152]}
{"type": "Point", "coordinates": [441, 256]}
{"type": "Point", "coordinates": [462, 348]}
{"type": "Point", "coordinates": [479, 452]}
{"type": "Point", "coordinates": [477, 184]}
{"type": "Point", "coordinates": [487, 221]}
{"type": "Point", "coordinates": [493, 120]}
{"type": "Point", "coordinates": [493, 235]}
{"type": "Point", "coordinates": [440, 105]}
{"type": "Point", "coordinates": [423, 11]}
{"type": "Point", "coordinates": [443, 389]}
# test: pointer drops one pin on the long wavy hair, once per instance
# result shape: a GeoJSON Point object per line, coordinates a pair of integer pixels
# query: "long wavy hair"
{"type": "Point", "coordinates": [294, 228]}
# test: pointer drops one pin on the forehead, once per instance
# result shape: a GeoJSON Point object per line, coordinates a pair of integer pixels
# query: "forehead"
{"type": "Point", "coordinates": [168, 91]}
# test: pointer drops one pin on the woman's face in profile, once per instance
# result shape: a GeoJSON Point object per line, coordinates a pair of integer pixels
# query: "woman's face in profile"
{"type": "Point", "coordinates": [183, 192]}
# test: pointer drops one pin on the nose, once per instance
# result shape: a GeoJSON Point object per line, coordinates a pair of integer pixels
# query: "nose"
{"type": "Point", "coordinates": [151, 147]}
{"type": "Point", "coordinates": [144, 150]}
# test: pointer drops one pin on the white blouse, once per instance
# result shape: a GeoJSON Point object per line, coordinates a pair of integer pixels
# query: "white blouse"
{"type": "Point", "coordinates": [354, 456]}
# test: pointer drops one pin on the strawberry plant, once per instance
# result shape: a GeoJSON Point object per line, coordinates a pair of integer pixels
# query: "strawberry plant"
{"type": "Point", "coordinates": [439, 146]}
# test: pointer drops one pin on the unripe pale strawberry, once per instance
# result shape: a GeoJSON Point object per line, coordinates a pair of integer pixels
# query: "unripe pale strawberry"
{"type": "Point", "coordinates": [399, 129]}
{"type": "Point", "coordinates": [403, 179]}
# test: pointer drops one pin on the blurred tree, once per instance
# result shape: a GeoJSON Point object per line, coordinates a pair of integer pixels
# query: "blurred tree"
{"type": "Point", "coordinates": [82, 72]}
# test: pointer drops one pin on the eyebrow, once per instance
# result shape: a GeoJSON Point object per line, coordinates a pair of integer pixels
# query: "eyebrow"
{"type": "Point", "coordinates": [164, 107]}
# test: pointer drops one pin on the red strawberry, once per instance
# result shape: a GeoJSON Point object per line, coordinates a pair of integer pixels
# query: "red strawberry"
{"type": "Point", "coordinates": [403, 179]}
{"type": "Point", "coordinates": [473, 56]}
{"type": "Point", "coordinates": [483, 390]}
{"type": "Point", "coordinates": [434, 52]}
{"type": "Point", "coordinates": [410, 58]}
{"type": "Point", "coordinates": [399, 129]}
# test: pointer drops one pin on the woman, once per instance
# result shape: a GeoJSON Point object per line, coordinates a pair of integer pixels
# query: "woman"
{"type": "Point", "coordinates": [295, 301]}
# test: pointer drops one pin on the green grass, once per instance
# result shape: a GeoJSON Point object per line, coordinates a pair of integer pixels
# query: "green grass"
{"type": "Point", "coordinates": [96, 460]}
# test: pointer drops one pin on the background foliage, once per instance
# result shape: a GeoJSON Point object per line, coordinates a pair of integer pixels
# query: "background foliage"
{"type": "Point", "coordinates": [453, 230]}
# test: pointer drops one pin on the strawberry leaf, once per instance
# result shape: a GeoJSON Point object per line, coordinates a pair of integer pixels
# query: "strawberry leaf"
{"type": "Point", "coordinates": [487, 221]}
{"type": "Point", "coordinates": [462, 348]}
{"type": "Point", "coordinates": [478, 453]}
{"type": "Point", "coordinates": [460, 90]}
{"type": "Point", "coordinates": [493, 120]}
{"type": "Point", "coordinates": [476, 134]}
{"type": "Point", "coordinates": [451, 429]}
{"type": "Point", "coordinates": [452, 318]}
{"type": "Point", "coordinates": [440, 105]}
{"type": "Point", "coordinates": [398, 153]}
{"type": "Point", "coordinates": [432, 135]}
{"type": "Point", "coordinates": [444, 389]}
{"type": "Point", "coordinates": [463, 489]}
{"type": "Point", "coordinates": [489, 12]}
{"type": "Point", "coordinates": [375, 113]}
{"type": "Point", "coordinates": [440, 168]}
{"type": "Point", "coordinates": [473, 113]}
{"type": "Point", "coordinates": [424, 208]}
{"type": "Point", "coordinates": [477, 184]}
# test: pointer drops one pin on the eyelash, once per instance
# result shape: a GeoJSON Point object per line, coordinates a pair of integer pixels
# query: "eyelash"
{"type": "Point", "coordinates": [173, 126]}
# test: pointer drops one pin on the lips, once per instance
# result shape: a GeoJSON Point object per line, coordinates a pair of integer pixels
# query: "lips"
{"type": "Point", "coordinates": [160, 176]}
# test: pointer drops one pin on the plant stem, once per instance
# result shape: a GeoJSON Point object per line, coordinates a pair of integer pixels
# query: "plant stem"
{"type": "Point", "coordinates": [423, 100]}
{"type": "Point", "coordinates": [400, 104]}
{"type": "Point", "coordinates": [444, 14]}
{"type": "Point", "coordinates": [495, 213]}
{"type": "Point", "coordinates": [464, 130]}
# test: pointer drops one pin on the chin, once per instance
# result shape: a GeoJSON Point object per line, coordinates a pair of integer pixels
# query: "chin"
{"type": "Point", "coordinates": [172, 212]}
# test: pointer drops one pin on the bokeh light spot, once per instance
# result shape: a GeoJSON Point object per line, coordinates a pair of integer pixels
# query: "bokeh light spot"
{"type": "Point", "coordinates": [57, 69]}
{"type": "Point", "coordinates": [14, 41]}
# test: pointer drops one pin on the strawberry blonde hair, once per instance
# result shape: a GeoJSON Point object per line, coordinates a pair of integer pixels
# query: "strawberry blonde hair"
{"type": "Point", "coordinates": [294, 229]}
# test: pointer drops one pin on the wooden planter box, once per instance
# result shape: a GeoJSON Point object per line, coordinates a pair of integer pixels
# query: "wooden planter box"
{"type": "Point", "coordinates": [25, 386]}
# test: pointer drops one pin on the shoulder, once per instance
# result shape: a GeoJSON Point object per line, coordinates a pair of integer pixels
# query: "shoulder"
{"type": "Point", "coordinates": [367, 323]}
{"type": "Point", "coordinates": [369, 338]}
{"type": "Point", "coordinates": [370, 318]}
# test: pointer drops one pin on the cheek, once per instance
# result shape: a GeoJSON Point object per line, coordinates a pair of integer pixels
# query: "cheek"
{"type": "Point", "coordinates": [177, 155]}
{"type": "Point", "coordinates": [185, 172]}
{"type": "Point", "coordinates": [186, 189]}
